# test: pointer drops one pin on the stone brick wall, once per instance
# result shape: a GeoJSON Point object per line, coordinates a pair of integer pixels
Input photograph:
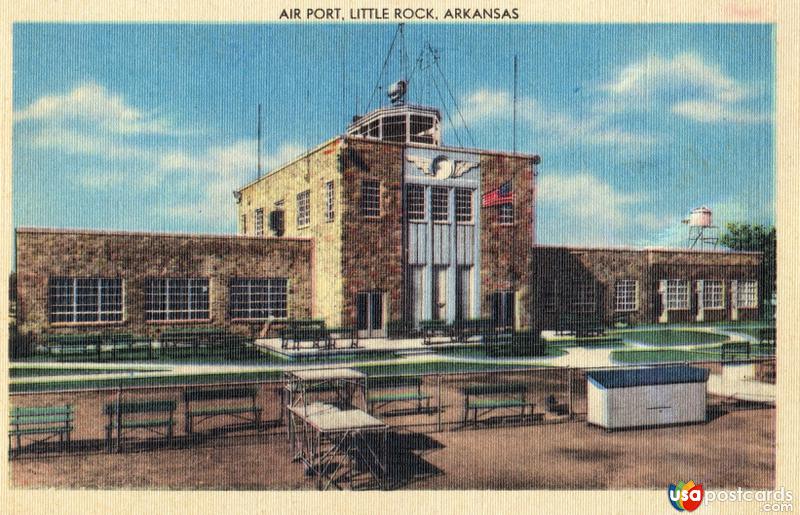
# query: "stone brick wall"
{"type": "Point", "coordinates": [43, 253]}
{"type": "Point", "coordinates": [506, 250]}
{"type": "Point", "coordinates": [372, 248]}
{"type": "Point", "coordinates": [647, 266]}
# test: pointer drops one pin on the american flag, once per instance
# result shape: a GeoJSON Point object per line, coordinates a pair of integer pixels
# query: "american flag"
{"type": "Point", "coordinates": [501, 195]}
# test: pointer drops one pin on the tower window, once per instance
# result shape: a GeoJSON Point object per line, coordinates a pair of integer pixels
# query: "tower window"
{"type": "Point", "coordinates": [370, 198]}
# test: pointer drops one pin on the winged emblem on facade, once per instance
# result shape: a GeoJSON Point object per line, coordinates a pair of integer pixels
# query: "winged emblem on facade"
{"type": "Point", "coordinates": [441, 167]}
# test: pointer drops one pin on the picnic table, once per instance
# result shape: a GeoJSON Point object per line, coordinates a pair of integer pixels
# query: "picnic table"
{"type": "Point", "coordinates": [337, 444]}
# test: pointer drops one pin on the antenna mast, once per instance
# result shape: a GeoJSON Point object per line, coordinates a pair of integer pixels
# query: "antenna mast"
{"type": "Point", "coordinates": [259, 141]}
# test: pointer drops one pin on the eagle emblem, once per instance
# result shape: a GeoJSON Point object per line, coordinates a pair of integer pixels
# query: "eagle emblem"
{"type": "Point", "coordinates": [441, 167]}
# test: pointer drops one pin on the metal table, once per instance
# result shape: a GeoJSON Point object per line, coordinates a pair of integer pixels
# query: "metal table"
{"type": "Point", "coordinates": [329, 441]}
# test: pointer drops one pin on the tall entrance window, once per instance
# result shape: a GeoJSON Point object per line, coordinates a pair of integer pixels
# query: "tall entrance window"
{"type": "Point", "coordinates": [370, 314]}
{"type": "Point", "coordinates": [503, 309]}
{"type": "Point", "coordinates": [463, 292]}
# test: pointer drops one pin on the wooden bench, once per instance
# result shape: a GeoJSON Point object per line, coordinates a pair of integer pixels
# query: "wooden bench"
{"type": "Point", "coordinates": [250, 413]}
{"type": "Point", "coordinates": [483, 399]}
{"type": "Point", "coordinates": [766, 336]}
{"type": "Point", "coordinates": [342, 333]}
{"type": "Point", "coordinates": [83, 344]}
{"type": "Point", "coordinates": [41, 423]}
{"type": "Point", "coordinates": [734, 349]}
{"type": "Point", "coordinates": [431, 328]}
{"type": "Point", "coordinates": [155, 416]}
{"type": "Point", "coordinates": [383, 391]}
{"type": "Point", "coordinates": [462, 330]}
{"type": "Point", "coordinates": [125, 341]}
{"type": "Point", "coordinates": [514, 344]}
{"type": "Point", "coordinates": [298, 331]}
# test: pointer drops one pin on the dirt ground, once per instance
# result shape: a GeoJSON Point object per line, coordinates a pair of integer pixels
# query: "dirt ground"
{"type": "Point", "coordinates": [736, 448]}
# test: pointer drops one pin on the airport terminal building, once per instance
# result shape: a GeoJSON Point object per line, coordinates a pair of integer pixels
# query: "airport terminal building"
{"type": "Point", "coordinates": [382, 225]}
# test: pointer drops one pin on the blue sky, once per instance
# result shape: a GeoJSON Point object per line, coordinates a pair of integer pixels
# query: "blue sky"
{"type": "Point", "coordinates": [151, 127]}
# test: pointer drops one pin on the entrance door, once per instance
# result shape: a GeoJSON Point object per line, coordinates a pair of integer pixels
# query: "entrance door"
{"type": "Point", "coordinates": [439, 293]}
{"type": "Point", "coordinates": [417, 286]}
{"type": "Point", "coordinates": [503, 309]}
{"type": "Point", "coordinates": [369, 314]}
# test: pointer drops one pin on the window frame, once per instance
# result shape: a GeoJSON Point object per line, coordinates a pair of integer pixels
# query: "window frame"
{"type": "Point", "coordinates": [374, 187]}
{"type": "Point", "coordinates": [243, 221]}
{"type": "Point", "coordinates": [258, 223]}
{"type": "Point", "coordinates": [413, 215]}
{"type": "Point", "coordinates": [583, 294]}
{"type": "Point", "coordinates": [163, 297]}
{"type": "Point", "coordinates": [303, 209]}
{"type": "Point", "coordinates": [274, 287]}
{"type": "Point", "coordinates": [740, 294]}
{"type": "Point", "coordinates": [330, 206]}
{"type": "Point", "coordinates": [70, 288]}
{"type": "Point", "coordinates": [437, 214]}
{"type": "Point", "coordinates": [670, 294]}
{"type": "Point", "coordinates": [460, 208]}
{"type": "Point", "coordinates": [622, 292]}
{"type": "Point", "coordinates": [717, 294]}
{"type": "Point", "coordinates": [505, 218]}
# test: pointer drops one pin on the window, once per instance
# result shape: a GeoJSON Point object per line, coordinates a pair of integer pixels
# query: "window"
{"type": "Point", "coordinates": [463, 205]}
{"type": "Point", "coordinates": [243, 224]}
{"type": "Point", "coordinates": [259, 223]}
{"type": "Point", "coordinates": [258, 298]}
{"type": "Point", "coordinates": [304, 208]}
{"type": "Point", "coordinates": [583, 297]}
{"type": "Point", "coordinates": [370, 198]}
{"type": "Point", "coordinates": [439, 204]}
{"type": "Point", "coordinates": [85, 299]}
{"type": "Point", "coordinates": [549, 290]}
{"type": "Point", "coordinates": [415, 200]}
{"type": "Point", "coordinates": [506, 216]}
{"type": "Point", "coordinates": [625, 294]}
{"type": "Point", "coordinates": [329, 209]}
{"type": "Point", "coordinates": [676, 294]}
{"type": "Point", "coordinates": [463, 292]}
{"type": "Point", "coordinates": [176, 299]}
{"type": "Point", "coordinates": [394, 128]}
{"type": "Point", "coordinates": [422, 128]}
{"type": "Point", "coordinates": [712, 295]}
{"type": "Point", "coordinates": [747, 294]}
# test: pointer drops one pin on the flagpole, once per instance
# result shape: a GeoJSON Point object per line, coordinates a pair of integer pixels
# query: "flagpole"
{"type": "Point", "coordinates": [513, 207]}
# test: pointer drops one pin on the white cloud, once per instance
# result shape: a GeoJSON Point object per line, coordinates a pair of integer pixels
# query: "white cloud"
{"type": "Point", "coordinates": [223, 168]}
{"type": "Point", "coordinates": [580, 208]}
{"type": "Point", "coordinates": [709, 111]}
{"type": "Point", "coordinates": [560, 127]}
{"type": "Point", "coordinates": [681, 72]}
{"type": "Point", "coordinates": [687, 85]}
{"type": "Point", "coordinates": [94, 104]}
{"type": "Point", "coordinates": [76, 142]}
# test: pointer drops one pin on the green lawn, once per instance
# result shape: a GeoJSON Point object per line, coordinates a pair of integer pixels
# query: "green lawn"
{"type": "Point", "coordinates": [435, 367]}
{"type": "Point", "coordinates": [480, 352]}
{"type": "Point", "coordinates": [661, 356]}
{"type": "Point", "coordinates": [668, 337]}
{"type": "Point", "coordinates": [89, 384]}
{"type": "Point", "coordinates": [17, 372]}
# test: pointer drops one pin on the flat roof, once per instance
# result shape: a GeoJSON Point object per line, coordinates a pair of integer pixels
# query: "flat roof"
{"type": "Point", "coordinates": [105, 232]}
{"type": "Point", "coordinates": [624, 248]}
{"type": "Point", "coordinates": [650, 376]}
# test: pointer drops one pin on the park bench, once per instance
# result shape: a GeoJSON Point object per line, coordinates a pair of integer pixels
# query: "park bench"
{"type": "Point", "coordinates": [197, 338]}
{"type": "Point", "coordinates": [40, 423]}
{"type": "Point", "coordinates": [383, 391]}
{"type": "Point", "coordinates": [431, 328]}
{"type": "Point", "coordinates": [342, 333]}
{"type": "Point", "coordinates": [126, 342]}
{"type": "Point", "coordinates": [484, 399]}
{"type": "Point", "coordinates": [248, 412]}
{"type": "Point", "coordinates": [462, 330]}
{"type": "Point", "coordinates": [155, 416]}
{"type": "Point", "coordinates": [298, 331]}
{"type": "Point", "coordinates": [74, 344]}
{"type": "Point", "coordinates": [735, 349]}
{"type": "Point", "coordinates": [580, 325]}
{"type": "Point", "coordinates": [523, 343]}
{"type": "Point", "coordinates": [766, 336]}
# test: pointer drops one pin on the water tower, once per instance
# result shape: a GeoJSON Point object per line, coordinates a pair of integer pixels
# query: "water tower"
{"type": "Point", "coordinates": [702, 230]}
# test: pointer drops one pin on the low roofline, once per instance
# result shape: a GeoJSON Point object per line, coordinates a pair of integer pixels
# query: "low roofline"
{"type": "Point", "coordinates": [105, 232]}
{"type": "Point", "coordinates": [624, 248]}
{"type": "Point", "coordinates": [346, 137]}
